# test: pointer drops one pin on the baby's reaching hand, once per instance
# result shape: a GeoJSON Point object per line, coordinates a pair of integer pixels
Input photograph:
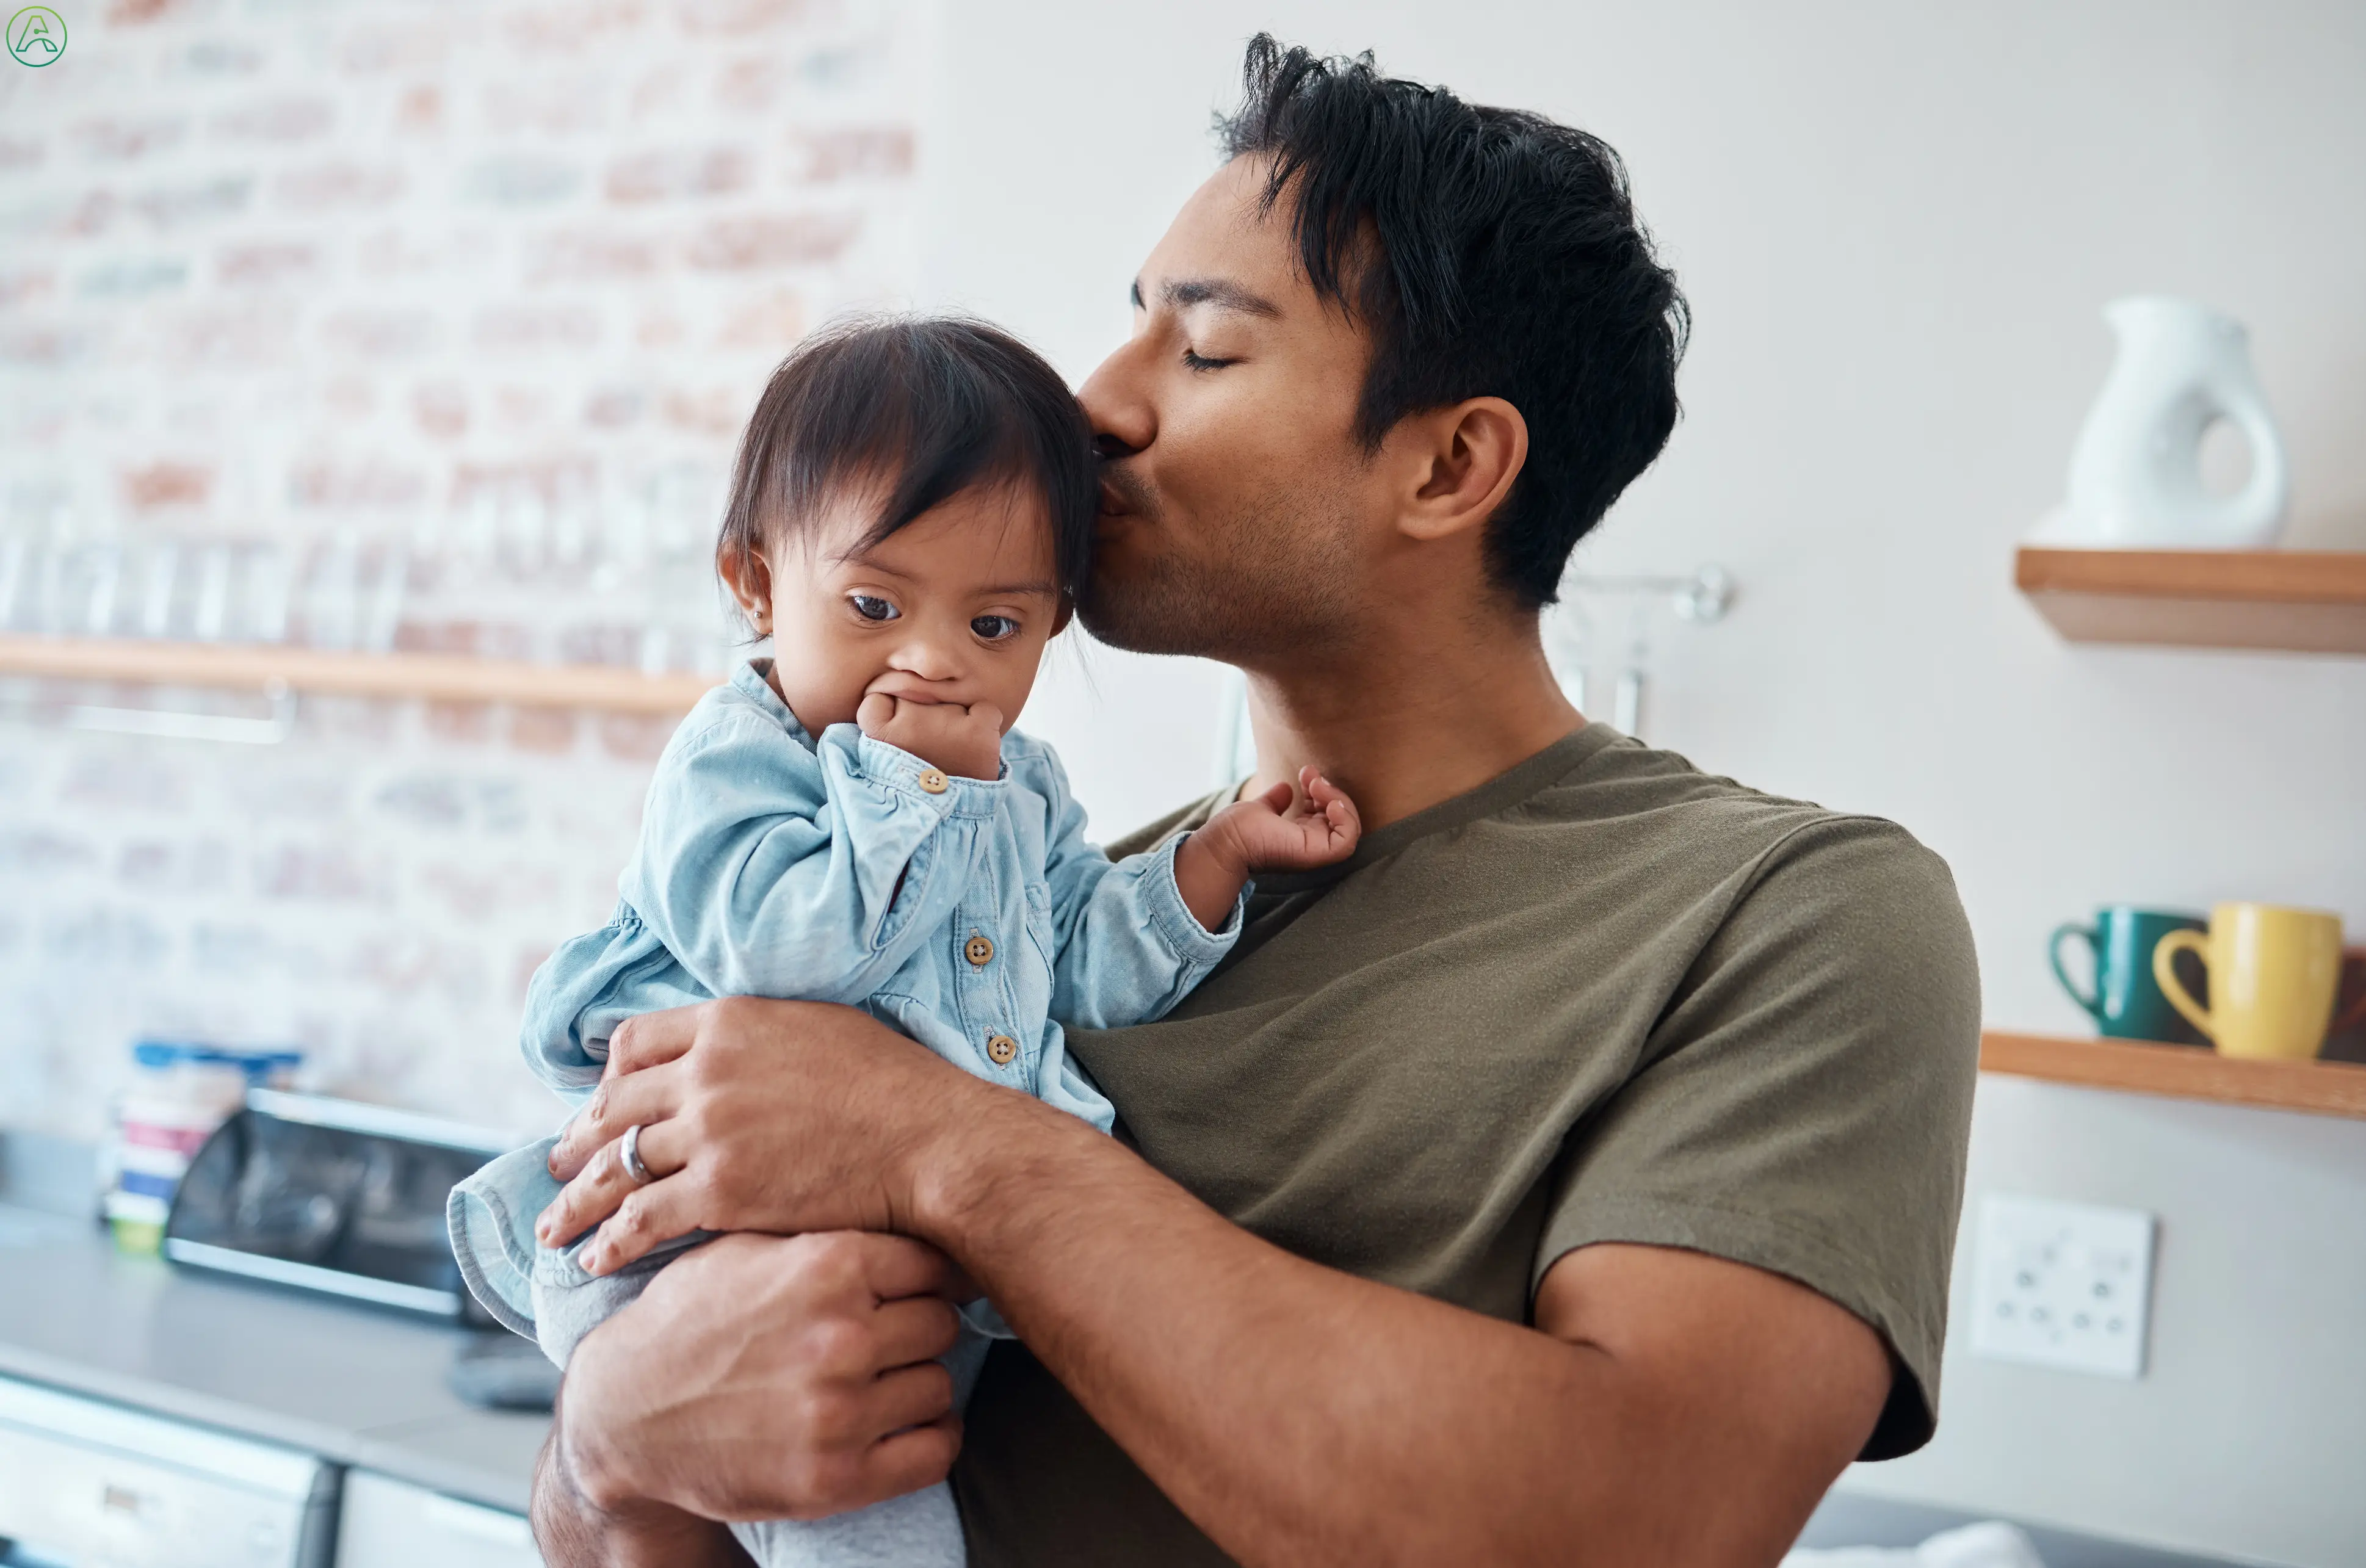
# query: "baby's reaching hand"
{"type": "Point", "coordinates": [1286, 829]}
{"type": "Point", "coordinates": [966, 741]}
{"type": "Point", "coordinates": [1282, 830]}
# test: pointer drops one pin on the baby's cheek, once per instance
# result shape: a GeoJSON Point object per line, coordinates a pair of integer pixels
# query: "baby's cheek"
{"type": "Point", "coordinates": [1009, 688]}
{"type": "Point", "coordinates": [822, 681]}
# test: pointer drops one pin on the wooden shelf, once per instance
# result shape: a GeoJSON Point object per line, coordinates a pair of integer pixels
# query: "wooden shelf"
{"type": "Point", "coordinates": [2181, 1072]}
{"type": "Point", "coordinates": [2299, 601]}
{"type": "Point", "coordinates": [435, 677]}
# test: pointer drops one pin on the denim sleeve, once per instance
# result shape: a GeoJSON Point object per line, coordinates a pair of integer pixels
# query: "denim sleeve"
{"type": "Point", "coordinates": [770, 871]}
{"type": "Point", "coordinates": [587, 988]}
{"type": "Point", "coordinates": [1128, 947]}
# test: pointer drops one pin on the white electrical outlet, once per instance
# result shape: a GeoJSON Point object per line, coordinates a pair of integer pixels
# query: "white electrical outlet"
{"type": "Point", "coordinates": [2066, 1285]}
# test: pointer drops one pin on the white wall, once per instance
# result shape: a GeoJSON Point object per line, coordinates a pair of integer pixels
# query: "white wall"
{"type": "Point", "coordinates": [1896, 226]}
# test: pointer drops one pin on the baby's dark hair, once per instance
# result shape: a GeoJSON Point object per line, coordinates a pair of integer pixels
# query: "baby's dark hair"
{"type": "Point", "coordinates": [928, 405]}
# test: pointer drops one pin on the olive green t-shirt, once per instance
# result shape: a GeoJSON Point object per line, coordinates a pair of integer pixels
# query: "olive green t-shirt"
{"type": "Point", "coordinates": [1603, 997]}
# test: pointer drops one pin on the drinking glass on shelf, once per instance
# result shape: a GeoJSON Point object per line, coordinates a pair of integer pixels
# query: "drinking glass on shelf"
{"type": "Point", "coordinates": [160, 576]}
{"type": "Point", "coordinates": [49, 585]}
{"type": "Point", "coordinates": [103, 574]}
{"type": "Point", "coordinates": [70, 582]}
{"type": "Point", "coordinates": [267, 582]}
{"type": "Point", "coordinates": [210, 618]}
{"type": "Point", "coordinates": [15, 559]}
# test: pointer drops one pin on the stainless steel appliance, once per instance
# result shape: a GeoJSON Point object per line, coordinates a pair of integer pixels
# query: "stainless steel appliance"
{"type": "Point", "coordinates": [87, 1484]}
{"type": "Point", "coordinates": [387, 1523]}
{"type": "Point", "coordinates": [330, 1195]}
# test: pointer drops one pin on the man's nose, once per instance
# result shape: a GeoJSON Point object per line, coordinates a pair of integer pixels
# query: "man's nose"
{"type": "Point", "coordinates": [1116, 400]}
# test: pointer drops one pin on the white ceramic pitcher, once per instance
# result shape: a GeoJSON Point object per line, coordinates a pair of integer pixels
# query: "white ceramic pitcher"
{"type": "Point", "coordinates": [2135, 476]}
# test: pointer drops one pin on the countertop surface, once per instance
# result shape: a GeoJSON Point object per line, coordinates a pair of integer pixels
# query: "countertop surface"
{"type": "Point", "coordinates": [356, 1385]}
{"type": "Point", "coordinates": [363, 1386]}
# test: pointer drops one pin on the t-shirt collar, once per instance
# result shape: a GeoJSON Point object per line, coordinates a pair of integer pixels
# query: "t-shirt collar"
{"type": "Point", "coordinates": [1506, 790]}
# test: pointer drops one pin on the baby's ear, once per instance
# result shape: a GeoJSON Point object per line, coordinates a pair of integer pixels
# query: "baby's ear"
{"type": "Point", "coordinates": [749, 578]}
{"type": "Point", "coordinates": [1067, 613]}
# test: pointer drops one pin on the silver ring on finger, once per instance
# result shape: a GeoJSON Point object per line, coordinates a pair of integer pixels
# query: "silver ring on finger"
{"type": "Point", "coordinates": [628, 1154]}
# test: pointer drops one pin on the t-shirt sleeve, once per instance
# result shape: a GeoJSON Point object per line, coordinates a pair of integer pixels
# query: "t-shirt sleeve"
{"type": "Point", "coordinates": [1805, 1101]}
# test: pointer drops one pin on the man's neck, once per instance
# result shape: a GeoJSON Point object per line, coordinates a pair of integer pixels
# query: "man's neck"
{"type": "Point", "coordinates": [1403, 723]}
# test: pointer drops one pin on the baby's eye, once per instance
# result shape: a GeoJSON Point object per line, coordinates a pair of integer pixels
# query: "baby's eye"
{"type": "Point", "coordinates": [872, 608]}
{"type": "Point", "coordinates": [1194, 360]}
{"type": "Point", "coordinates": [994, 628]}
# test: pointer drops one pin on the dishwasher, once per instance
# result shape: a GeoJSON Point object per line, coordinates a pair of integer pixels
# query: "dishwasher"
{"type": "Point", "coordinates": [87, 1484]}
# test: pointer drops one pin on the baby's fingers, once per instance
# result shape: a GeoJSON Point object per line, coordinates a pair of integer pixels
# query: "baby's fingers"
{"type": "Point", "coordinates": [875, 714]}
{"type": "Point", "coordinates": [1328, 798]}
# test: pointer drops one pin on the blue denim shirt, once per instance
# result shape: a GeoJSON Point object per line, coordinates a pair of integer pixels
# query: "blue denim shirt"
{"type": "Point", "coordinates": [970, 915]}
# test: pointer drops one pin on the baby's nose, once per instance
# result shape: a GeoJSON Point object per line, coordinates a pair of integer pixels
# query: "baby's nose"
{"type": "Point", "coordinates": [929, 658]}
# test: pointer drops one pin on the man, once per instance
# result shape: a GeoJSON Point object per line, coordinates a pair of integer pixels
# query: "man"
{"type": "Point", "coordinates": [1570, 1177]}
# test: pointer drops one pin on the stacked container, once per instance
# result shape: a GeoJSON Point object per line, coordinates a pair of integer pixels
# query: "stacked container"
{"type": "Point", "coordinates": [179, 1093]}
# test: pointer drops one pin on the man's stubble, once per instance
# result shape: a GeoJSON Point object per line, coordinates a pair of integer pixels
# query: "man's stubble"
{"type": "Point", "coordinates": [1262, 585]}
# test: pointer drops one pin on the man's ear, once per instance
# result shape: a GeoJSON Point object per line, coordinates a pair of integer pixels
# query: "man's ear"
{"type": "Point", "coordinates": [749, 578]}
{"type": "Point", "coordinates": [1464, 457]}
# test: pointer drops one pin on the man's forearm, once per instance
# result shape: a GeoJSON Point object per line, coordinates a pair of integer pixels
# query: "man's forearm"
{"type": "Point", "coordinates": [1296, 1414]}
{"type": "Point", "coordinates": [573, 1532]}
{"type": "Point", "coordinates": [1301, 1416]}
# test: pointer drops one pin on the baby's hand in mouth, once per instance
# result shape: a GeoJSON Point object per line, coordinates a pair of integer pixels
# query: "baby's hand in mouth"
{"type": "Point", "coordinates": [966, 741]}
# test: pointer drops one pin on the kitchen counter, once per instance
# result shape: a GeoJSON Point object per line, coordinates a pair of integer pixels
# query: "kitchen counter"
{"type": "Point", "coordinates": [363, 1386]}
{"type": "Point", "coordinates": [355, 1384]}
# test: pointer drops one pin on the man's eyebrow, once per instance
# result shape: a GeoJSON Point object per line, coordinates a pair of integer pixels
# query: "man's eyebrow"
{"type": "Point", "coordinates": [1184, 293]}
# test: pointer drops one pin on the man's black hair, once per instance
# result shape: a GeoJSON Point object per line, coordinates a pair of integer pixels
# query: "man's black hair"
{"type": "Point", "coordinates": [1489, 253]}
{"type": "Point", "coordinates": [924, 406]}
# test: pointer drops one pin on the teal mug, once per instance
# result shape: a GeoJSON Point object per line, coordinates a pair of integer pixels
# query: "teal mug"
{"type": "Point", "coordinates": [2128, 1004]}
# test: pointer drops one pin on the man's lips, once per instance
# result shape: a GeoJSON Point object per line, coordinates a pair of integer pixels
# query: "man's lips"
{"type": "Point", "coordinates": [1124, 495]}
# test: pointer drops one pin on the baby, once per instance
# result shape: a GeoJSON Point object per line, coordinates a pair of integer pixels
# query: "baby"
{"type": "Point", "coordinates": [853, 820]}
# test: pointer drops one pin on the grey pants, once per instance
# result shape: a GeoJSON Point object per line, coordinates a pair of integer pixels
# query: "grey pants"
{"type": "Point", "coordinates": [920, 1529]}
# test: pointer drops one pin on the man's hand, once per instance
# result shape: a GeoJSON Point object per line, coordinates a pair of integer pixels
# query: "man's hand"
{"type": "Point", "coordinates": [966, 741]}
{"type": "Point", "coordinates": [769, 1378]}
{"type": "Point", "coordinates": [761, 1116]}
{"type": "Point", "coordinates": [756, 1378]}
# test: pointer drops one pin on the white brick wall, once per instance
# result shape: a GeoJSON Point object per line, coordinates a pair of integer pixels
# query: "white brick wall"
{"type": "Point", "coordinates": [489, 287]}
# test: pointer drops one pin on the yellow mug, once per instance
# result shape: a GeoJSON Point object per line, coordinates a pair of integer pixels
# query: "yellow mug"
{"type": "Point", "coordinates": [2273, 975]}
